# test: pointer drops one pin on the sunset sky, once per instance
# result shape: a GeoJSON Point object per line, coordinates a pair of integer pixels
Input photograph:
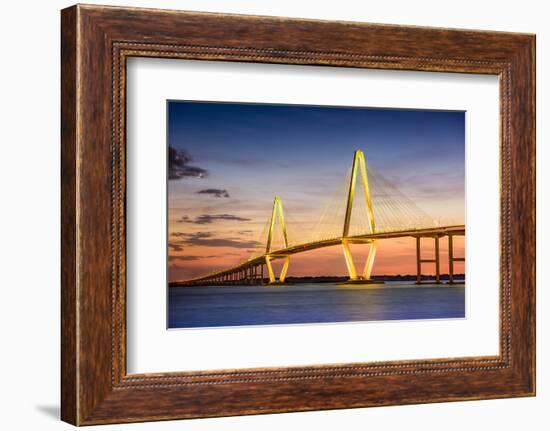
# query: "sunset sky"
{"type": "Point", "coordinates": [228, 161]}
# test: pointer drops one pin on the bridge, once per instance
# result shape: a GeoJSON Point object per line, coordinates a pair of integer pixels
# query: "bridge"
{"type": "Point", "coordinates": [251, 271]}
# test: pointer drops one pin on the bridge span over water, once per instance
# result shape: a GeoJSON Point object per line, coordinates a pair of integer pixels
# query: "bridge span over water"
{"type": "Point", "coordinates": [252, 272]}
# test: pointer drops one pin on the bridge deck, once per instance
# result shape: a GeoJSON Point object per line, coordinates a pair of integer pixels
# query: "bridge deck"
{"type": "Point", "coordinates": [424, 232]}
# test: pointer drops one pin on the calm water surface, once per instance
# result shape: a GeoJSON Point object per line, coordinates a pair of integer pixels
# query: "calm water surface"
{"type": "Point", "coordinates": [195, 307]}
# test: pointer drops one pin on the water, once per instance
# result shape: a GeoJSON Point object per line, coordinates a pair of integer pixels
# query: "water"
{"type": "Point", "coordinates": [214, 306]}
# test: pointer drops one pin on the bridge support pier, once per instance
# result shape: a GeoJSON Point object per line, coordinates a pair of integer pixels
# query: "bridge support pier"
{"type": "Point", "coordinates": [420, 261]}
{"type": "Point", "coordinates": [282, 276]}
{"type": "Point", "coordinates": [261, 274]}
{"type": "Point", "coordinates": [437, 271]}
{"type": "Point", "coordinates": [452, 260]}
{"type": "Point", "coordinates": [367, 270]}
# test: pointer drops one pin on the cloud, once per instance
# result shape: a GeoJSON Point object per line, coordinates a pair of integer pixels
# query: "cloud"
{"type": "Point", "coordinates": [178, 234]}
{"type": "Point", "coordinates": [191, 257]}
{"type": "Point", "coordinates": [218, 193]}
{"type": "Point", "coordinates": [173, 246]}
{"type": "Point", "coordinates": [205, 239]}
{"type": "Point", "coordinates": [185, 258]}
{"type": "Point", "coordinates": [179, 167]}
{"type": "Point", "coordinates": [209, 218]}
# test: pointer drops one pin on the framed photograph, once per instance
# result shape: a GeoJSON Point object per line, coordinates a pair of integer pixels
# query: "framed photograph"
{"type": "Point", "coordinates": [266, 215]}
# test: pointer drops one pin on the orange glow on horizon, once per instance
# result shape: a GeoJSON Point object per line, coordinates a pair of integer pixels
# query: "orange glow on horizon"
{"type": "Point", "coordinates": [394, 257]}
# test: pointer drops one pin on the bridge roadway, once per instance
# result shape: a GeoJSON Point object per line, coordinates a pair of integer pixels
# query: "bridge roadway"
{"type": "Point", "coordinates": [224, 275]}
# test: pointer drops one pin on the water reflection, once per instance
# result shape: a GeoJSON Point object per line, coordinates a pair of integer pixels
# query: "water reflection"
{"type": "Point", "coordinates": [214, 306]}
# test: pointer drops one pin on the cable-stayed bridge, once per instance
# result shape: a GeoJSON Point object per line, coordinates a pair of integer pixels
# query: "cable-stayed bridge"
{"type": "Point", "coordinates": [381, 212]}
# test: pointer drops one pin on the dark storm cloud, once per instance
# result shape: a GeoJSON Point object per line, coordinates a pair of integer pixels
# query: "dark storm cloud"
{"type": "Point", "coordinates": [179, 167]}
{"type": "Point", "coordinates": [205, 239]}
{"type": "Point", "coordinates": [217, 193]}
{"type": "Point", "coordinates": [209, 218]}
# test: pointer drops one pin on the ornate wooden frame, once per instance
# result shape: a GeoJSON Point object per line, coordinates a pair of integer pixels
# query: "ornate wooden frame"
{"type": "Point", "coordinates": [96, 41]}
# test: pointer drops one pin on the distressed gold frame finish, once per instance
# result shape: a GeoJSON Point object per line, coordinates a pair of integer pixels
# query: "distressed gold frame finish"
{"type": "Point", "coordinates": [96, 42]}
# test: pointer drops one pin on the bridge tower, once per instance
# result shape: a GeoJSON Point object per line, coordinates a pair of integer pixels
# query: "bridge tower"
{"type": "Point", "coordinates": [269, 257]}
{"type": "Point", "coordinates": [359, 165]}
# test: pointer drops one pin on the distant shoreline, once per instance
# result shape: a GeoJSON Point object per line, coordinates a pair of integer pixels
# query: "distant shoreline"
{"type": "Point", "coordinates": [341, 279]}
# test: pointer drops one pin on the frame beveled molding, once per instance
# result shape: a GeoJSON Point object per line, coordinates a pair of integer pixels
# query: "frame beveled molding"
{"type": "Point", "coordinates": [96, 42]}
